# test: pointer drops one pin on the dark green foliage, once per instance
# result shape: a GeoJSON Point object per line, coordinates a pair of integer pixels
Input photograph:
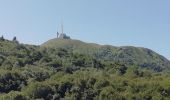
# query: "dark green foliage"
{"type": "Point", "coordinates": [11, 81]}
{"type": "Point", "coordinates": [36, 91]}
{"type": "Point", "coordinates": [73, 70]}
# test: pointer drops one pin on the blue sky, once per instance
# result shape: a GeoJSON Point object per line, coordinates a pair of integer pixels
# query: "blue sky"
{"type": "Point", "coordinates": [141, 23]}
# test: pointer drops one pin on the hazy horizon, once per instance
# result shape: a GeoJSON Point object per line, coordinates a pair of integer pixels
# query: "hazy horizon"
{"type": "Point", "coordinates": [118, 23]}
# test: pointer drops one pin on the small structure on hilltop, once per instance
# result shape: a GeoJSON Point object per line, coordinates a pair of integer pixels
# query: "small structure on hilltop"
{"type": "Point", "coordinates": [62, 35]}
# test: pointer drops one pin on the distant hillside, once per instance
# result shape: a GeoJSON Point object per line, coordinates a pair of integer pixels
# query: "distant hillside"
{"type": "Point", "coordinates": [143, 57]}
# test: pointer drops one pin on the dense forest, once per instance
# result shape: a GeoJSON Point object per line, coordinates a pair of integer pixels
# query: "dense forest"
{"type": "Point", "coordinates": [73, 70]}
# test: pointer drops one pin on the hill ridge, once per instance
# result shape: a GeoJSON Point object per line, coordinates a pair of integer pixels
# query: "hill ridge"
{"type": "Point", "coordinates": [141, 56]}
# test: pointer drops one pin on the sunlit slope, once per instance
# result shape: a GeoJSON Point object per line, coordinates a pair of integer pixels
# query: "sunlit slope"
{"type": "Point", "coordinates": [127, 54]}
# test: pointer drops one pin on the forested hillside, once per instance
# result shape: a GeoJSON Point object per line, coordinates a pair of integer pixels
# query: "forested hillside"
{"type": "Point", "coordinates": [73, 70]}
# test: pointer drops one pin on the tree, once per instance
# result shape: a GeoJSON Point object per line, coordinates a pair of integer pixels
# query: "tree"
{"type": "Point", "coordinates": [2, 38]}
{"type": "Point", "coordinates": [15, 39]}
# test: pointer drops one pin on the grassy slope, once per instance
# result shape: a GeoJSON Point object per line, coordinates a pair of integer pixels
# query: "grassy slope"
{"type": "Point", "coordinates": [128, 54]}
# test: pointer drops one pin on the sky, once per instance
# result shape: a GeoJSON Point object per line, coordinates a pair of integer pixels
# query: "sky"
{"type": "Point", "coordinates": [141, 23]}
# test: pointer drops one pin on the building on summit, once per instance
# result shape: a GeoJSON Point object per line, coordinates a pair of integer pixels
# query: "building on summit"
{"type": "Point", "coordinates": [62, 35]}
